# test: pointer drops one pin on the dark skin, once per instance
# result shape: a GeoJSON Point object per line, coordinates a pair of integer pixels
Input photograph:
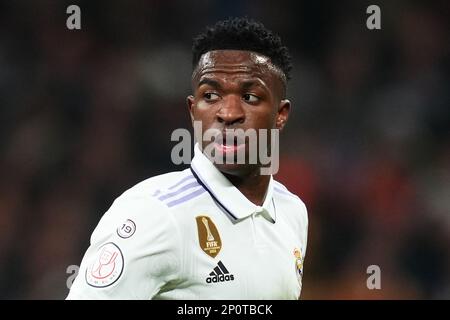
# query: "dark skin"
{"type": "Point", "coordinates": [236, 89]}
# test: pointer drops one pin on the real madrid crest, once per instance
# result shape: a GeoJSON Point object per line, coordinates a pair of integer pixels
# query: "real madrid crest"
{"type": "Point", "coordinates": [298, 263]}
{"type": "Point", "coordinates": [208, 236]}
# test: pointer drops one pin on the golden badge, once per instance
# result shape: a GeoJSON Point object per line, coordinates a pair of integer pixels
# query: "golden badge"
{"type": "Point", "coordinates": [208, 236]}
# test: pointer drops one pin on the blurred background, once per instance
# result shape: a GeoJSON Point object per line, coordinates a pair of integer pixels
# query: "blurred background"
{"type": "Point", "coordinates": [85, 114]}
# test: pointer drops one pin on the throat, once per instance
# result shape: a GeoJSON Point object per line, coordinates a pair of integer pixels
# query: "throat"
{"type": "Point", "coordinates": [254, 188]}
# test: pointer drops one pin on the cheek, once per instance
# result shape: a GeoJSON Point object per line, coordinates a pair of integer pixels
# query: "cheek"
{"type": "Point", "coordinates": [204, 107]}
{"type": "Point", "coordinates": [263, 118]}
{"type": "Point", "coordinates": [204, 113]}
{"type": "Point", "coordinates": [274, 116]}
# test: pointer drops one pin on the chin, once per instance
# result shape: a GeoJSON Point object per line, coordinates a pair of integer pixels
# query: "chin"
{"type": "Point", "coordinates": [238, 170]}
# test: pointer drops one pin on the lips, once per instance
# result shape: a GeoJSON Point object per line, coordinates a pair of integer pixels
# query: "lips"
{"type": "Point", "coordinates": [228, 142]}
{"type": "Point", "coordinates": [227, 149]}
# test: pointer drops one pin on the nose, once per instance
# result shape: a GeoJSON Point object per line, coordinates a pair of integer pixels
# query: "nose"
{"type": "Point", "coordinates": [231, 111]}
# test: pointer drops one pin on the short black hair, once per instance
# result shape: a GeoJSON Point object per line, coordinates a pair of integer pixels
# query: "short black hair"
{"type": "Point", "coordinates": [242, 34]}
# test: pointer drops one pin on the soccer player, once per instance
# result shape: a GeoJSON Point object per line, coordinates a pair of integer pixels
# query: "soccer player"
{"type": "Point", "coordinates": [217, 230]}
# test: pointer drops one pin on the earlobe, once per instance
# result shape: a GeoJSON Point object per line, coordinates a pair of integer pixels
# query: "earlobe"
{"type": "Point", "coordinates": [280, 124]}
{"type": "Point", "coordinates": [190, 102]}
{"type": "Point", "coordinates": [190, 105]}
{"type": "Point", "coordinates": [283, 113]}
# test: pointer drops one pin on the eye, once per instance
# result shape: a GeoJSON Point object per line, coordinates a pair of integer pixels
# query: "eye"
{"type": "Point", "coordinates": [211, 96]}
{"type": "Point", "coordinates": [248, 97]}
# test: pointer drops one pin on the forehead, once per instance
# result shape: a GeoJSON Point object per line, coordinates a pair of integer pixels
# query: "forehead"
{"type": "Point", "coordinates": [232, 58]}
{"type": "Point", "coordinates": [236, 62]}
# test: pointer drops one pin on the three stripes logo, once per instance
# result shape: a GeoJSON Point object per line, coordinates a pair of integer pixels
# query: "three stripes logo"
{"type": "Point", "coordinates": [219, 274]}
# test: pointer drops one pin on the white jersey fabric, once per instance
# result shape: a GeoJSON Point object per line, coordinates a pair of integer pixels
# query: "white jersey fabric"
{"type": "Point", "coordinates": [193, 235]}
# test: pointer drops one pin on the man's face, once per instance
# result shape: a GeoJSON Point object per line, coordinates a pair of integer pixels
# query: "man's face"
{"type": "Point", "coordinates": [236, 89]}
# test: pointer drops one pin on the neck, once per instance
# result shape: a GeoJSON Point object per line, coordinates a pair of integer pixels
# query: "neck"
{"type": "Point", "coordinates": [253, 186]}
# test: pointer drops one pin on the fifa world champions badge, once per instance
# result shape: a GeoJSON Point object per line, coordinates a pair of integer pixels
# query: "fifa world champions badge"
{"type": "Point", "coordinates": [208, 236]}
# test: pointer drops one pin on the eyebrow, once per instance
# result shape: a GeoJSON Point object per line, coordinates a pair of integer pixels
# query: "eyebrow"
{"type": "Point", "coordinates": [210, 82]}
{"type": "Point", "coordinates": [245, 85]}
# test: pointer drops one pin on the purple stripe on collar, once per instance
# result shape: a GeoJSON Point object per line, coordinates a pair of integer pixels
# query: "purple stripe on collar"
{"type": "Point", "coordinates": [186, 197]}
{"type": "Point", "coordinates": [184, 188]}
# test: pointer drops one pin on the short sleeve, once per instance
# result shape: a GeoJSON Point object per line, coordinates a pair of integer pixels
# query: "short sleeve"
{"type": "Point", "coordinates": [134, 252]}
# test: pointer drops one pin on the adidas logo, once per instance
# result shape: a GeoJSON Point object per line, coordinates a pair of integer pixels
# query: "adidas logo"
{"type": "Point", "coordinates": [219, 274]}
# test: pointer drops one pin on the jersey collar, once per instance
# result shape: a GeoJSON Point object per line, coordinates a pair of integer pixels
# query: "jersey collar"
{"type": "Point", "coordinates": [226, 194]}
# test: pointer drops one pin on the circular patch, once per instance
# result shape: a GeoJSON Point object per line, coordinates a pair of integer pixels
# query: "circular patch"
{"type": "Point", "coordinates": [107, 266]}
{"type": "Point", "coordinates": [127, 229]}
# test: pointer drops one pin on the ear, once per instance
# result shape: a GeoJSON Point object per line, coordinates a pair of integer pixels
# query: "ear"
{"type": "Point", "coordinates": [190, 105]}
{"type": "Point", "coordinates": [283, 113]}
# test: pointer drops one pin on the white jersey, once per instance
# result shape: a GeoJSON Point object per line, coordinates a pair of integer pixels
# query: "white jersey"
{"type": "Point", "coordinates": [192, 235]}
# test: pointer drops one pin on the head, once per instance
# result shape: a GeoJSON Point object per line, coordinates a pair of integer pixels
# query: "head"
{"type": "Point", "coordinates": [239, 81]}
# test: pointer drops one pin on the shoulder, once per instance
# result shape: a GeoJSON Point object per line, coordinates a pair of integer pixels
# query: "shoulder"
{"type": "Point", "coordinates": [137, 239]}
{"type": "Point", "coordinates": [159, 191]}
{"type": "Point", "coordinates": [293, 205]}
{"type": "Point", "coordinates": [291, 198]}
{"type": "Point", "coordinates": [150, 186]}
{"type": "Point", "coordinates": [141, 205]}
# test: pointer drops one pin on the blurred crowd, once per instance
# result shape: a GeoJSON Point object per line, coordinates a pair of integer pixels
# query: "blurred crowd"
{"type": "Point", "coordinates": [86, 114]}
